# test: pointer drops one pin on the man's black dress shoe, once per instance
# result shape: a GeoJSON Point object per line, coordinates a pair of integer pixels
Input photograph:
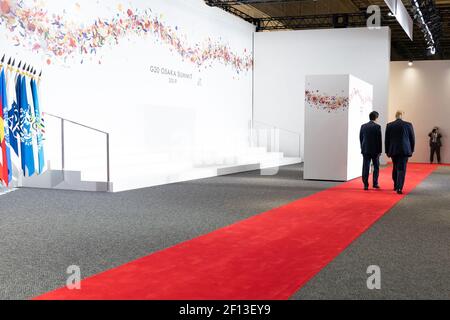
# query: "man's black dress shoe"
{"type": "Point", "coordinates": [376, 187]}
{"type": "Point", "coordinates": [399, 192]}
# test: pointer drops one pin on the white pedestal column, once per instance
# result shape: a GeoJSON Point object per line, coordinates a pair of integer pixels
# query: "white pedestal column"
{"type": "Point", "coordinates": [335, 108]}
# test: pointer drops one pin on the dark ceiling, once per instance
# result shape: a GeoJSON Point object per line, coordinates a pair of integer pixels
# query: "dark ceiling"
{"type": "Point", "coordinates": [270, 15]}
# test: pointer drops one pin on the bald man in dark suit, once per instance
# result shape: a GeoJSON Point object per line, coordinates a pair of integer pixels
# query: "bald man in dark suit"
{"type": "Point", "coordinates": [400, 144]}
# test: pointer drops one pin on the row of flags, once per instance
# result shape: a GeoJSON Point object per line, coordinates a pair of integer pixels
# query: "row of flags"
{"type": "Point", "coordinates": [21, 124]}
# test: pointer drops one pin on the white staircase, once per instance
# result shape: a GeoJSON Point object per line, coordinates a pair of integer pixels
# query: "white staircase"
{"type": "Point", "coordinates": [148, 173]}
{"type": "Point", "coordinates": [143, 171]}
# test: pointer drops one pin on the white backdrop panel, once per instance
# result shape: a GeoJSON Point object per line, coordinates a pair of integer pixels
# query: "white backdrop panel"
{"type": "Point", "coordinates": [361, 105]}
{"type": "Point", "coordinates": [326, 130]}
{"type": "Point", "coordinates": [170, 80]}
{"type": "Point", "coordinates": [283, 59]}
{"type": "Point", "coordinates": [335, 108]}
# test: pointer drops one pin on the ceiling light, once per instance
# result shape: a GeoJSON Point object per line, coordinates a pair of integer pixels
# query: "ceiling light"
{"type": "Point", "coordinates": [427, 26]}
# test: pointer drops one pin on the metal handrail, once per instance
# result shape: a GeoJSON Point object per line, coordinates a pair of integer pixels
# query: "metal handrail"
{"type": "Point", "coordinates": [276, 127]}
{"type": "Point", "coordinates": [74, 122]}
{"type": "Point", "coordinates": [298, 134]}
{"type": "Point", "coordinates": [63, 160]}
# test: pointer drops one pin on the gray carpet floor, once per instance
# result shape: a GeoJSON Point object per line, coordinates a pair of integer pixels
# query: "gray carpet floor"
{"type": "Point", "coordinates": [42, 232]}
{"type": "Point", "coordinates": [410, 244]}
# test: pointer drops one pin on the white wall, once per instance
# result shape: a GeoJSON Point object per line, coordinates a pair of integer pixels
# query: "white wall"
{"type": "Point", "coordinates": [156, 121]}
{"type": "Point", "coordinates": [361, 105]}
{"type": "Point", "coordinates": [422, 91]}
{"type": "Point", "coordinates": [282, 59]}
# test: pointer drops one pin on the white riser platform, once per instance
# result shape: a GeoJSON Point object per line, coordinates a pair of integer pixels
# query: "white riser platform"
{"type": "Point", "coordinates": [154, 170]}
{"type": "Point", "coordinates": [62, 180]}
{"type": "Point", "coordinates": [145, 180]}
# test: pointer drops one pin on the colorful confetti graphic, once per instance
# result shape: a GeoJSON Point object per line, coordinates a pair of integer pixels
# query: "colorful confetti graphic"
{"type": "Point", "coordinates": [59, 39]}
{"type": "Point", "coordinates": [326, 102]}
{"type": "Point", "coordinates": [335, 103]}
{"type": "Point", "coordinates": [361, 97]}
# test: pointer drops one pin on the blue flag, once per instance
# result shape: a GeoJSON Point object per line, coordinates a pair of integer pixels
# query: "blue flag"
{"type": "Point", "coordinates": [14, 118]}
{"type": "Point", "coordinates": [37, 126]}
{"type": "Point", "coordinates": [4, 131]}
{"type": "Point", "coordinates": [26, 136]}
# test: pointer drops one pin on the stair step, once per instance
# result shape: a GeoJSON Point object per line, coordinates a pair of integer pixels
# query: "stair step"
{"type": "Point", "coordinates": [93, 186]}
{"type": "Point", "coordinates": [62, 180]}
{"type": "Point", "coordinates": [151, 174]}
{"type": "Point", "coordinates": [237, 169]}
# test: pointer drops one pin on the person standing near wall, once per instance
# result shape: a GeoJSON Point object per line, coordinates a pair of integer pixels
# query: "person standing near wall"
{"type": "Point", "coordinates": [435, 144]}
{"type": "Point", "coordinates": [400, 144]}
{"type": "Point", "coordinates": [371, 148]}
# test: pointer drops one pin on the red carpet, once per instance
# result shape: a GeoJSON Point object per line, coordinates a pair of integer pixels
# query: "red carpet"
{"type": "Point", "coordinates": [269, 256]}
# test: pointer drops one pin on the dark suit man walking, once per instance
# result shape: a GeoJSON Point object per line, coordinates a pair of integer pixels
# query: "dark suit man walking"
{"type": "Point", "coordinates": [371, 148]}
{"type": "Point", "coordinates": [400, 143]}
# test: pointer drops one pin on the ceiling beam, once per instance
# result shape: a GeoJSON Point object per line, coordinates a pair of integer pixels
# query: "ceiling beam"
{"type": "Point", "coordinates": [247, 2]}
{"type": "Point", "coordinates": [402, 47]}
